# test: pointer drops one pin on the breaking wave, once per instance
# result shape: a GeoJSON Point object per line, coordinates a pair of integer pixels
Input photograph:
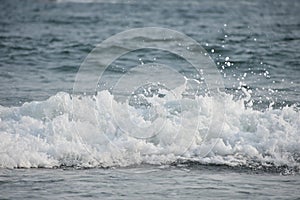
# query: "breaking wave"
{"type": "Point", "coordinates": [51, 134]}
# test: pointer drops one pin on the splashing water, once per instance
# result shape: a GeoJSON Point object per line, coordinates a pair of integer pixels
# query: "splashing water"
{"type": "Point", "coordinates": [49, 134]}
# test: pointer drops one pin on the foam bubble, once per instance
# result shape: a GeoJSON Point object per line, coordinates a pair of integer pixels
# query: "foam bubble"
{"type": "Point", "coordinates": [49, 134]}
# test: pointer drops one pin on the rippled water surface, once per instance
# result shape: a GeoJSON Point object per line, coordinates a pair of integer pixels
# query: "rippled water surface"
{"type": "Point", "coordinates": [47, 151]}
{"type": "Point", "coordinates": [149, 182]}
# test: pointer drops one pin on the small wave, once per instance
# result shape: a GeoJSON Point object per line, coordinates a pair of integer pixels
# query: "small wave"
{"type": "Point", "coordinates": [50, 134]}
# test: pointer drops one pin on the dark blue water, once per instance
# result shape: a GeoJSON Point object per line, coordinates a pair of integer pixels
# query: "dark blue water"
{"type": "Point", "coordinates": [255, 48]}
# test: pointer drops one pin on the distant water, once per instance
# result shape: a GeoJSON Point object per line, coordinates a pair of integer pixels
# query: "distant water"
{"type": "Point", "coordinates": [94, 152]}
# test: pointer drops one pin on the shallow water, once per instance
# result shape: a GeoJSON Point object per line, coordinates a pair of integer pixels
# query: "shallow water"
{"type": "Point", "coordinates": [151, 182]}
{"type": "Point", "coordinates": [239, 144]}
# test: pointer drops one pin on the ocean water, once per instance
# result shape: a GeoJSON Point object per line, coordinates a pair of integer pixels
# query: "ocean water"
{"type": "Point", "coordinates": [149, 99]}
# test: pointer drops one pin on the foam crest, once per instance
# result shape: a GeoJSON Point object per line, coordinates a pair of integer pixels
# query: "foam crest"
{"type": "Point", "coordinates": [50, 134]}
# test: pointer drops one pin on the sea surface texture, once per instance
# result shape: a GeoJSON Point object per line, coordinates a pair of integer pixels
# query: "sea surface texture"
{"type": "Point", "coordinates": [149, 99]}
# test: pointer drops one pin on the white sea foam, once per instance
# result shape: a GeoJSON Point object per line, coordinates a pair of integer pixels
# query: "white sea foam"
{"type": "Point", "coordinates": [50, 134]}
